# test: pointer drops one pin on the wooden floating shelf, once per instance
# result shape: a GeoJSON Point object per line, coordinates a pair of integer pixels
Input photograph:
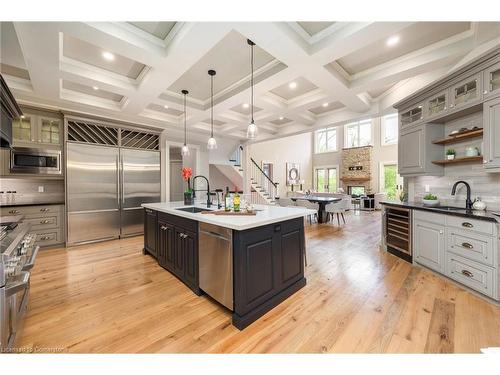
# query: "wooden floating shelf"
{"type": "Point", "coordinates": [459, 137]}
{"type": "Point", "coordinates": [355, 179]}
{"type": "Point", "coordinates": [468, 159]}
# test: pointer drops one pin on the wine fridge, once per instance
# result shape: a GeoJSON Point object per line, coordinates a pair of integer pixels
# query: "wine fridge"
{"type": "Point", "coordinates": [397, 234]}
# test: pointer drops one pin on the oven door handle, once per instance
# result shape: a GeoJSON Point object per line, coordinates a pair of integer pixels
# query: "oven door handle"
{"type": "Point", "coordinates": [31, 263]}
{"type": "Point", "coordinates": [18, 286]}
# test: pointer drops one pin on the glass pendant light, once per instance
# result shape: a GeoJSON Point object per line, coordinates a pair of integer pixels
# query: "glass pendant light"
{"type": "Point", "coordinates": [212, 143]}
{"type": "Point", "coordinates": [252, 128]}
{"type": "Point", "coordinates": [185, 149]}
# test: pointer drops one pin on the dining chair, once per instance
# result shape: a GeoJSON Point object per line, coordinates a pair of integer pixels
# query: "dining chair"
{"type": "Point", "coordinates": [338, 208]}
{"type": "Point", "coordinates": [285, 202]}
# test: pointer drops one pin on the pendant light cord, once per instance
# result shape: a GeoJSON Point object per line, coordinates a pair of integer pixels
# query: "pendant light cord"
{"type": "Point", "coordinates": [251, 81]}
{"type": "Point", "coordinates": [185, 126]}
{"type": "Point", "coordinates": [212, 105]}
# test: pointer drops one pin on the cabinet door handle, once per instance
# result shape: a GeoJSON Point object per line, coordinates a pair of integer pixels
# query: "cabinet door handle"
{"type": "Point", "coordinates": [467, 225]}
{"type": "Point", "coordinates": [163, 227]}
{"type": "Point", "coordinates": [440, 232]}
{"type": "Point", "coordinates": [467, 245]}
{"type": "Point", "coordinates": [467, 273]}
{"type": "Point", "coordinates": [485, 92]}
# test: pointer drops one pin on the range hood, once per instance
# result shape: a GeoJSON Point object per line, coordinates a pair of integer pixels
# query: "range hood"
{"type": "Point", "coordinates": [9, 110]}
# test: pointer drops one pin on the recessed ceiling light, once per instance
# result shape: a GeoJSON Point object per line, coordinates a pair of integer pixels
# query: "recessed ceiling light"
{"type": "Point", "coordinates": [108, 56]}
{"type": "Point", "coordinates": [246, 105]}
{"type": "Point", "coordinates": [95, 88]}
{"type": "Point", "coordinates": [292, 85]}
{"type": "Point", "coordinates": [22, 116]}
{"type": "Point", "coordinates": [281, 118]}
{"type": "Point", "coordinates": [165, 106]}
{"type": "Point", "coordinates": [392, 41]}
{"type": "Point", "coordinates": [325, 105]}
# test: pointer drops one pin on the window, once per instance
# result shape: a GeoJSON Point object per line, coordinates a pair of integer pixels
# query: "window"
{"type": "Point", "coordinates": [358, 134]}
{"type": "Point", "coordinates": [326, 140]}
{"type": "Point", "coordinates": [389, 129]}
{"type": "Point", "coordinates": [389, 179]}
{"type": "Point", "coordinates": [326, 179]}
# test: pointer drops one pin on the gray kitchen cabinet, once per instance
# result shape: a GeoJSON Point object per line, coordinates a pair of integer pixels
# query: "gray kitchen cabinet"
{"type": "Point", "coordinates": [436, 106]}
{"type": "Point", "coordinates": [491, 80]}
{"type": "Point", "coordinates": [37, 130]}
{"type": "Point", "coordinates": [466, 93]}
{"type": "Point", "coordinates": [411, 116]}
{"type": "Point", "coordinates": [416, 151]}
{"type": "Point", "coordinates": [429, 244]}
{"type": "Point", "coordinates": [491, 125]}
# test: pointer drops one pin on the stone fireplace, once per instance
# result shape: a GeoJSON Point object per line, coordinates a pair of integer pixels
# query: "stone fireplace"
{"type": "Point", "coordinates": [356, 170]}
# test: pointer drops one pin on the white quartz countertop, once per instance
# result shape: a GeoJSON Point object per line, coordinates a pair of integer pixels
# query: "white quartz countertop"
{"type": "Point", "coordinates": [265, 215]}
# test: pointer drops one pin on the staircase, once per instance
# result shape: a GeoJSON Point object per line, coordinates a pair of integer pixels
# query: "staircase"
{"type": "Point", "coordinates": [263, 190]}
{"type": "Point", "coordinates": [261, 185]}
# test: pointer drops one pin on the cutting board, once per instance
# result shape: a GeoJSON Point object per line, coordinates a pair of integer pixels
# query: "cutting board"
{"type": "Point", "coordinates": [230, 213]}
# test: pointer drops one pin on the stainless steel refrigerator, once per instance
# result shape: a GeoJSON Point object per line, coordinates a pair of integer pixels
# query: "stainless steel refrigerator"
{"type": "Point", "coordinates": [105, 187]}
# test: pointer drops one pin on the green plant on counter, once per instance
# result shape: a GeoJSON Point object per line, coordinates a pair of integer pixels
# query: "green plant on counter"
{"type": "Point", "coordinates": [430, 197]}
{"type": "Point", "coordinates": [451, 151]}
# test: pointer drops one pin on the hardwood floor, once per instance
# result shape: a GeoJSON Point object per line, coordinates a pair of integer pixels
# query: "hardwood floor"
{"type": "Point", "coordinates": [109, 298]}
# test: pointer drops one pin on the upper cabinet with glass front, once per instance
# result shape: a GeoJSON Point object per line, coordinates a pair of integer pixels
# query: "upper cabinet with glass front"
{"type": "Point", "coordinates": [436, 105]}
{"type": "Point", "coordinates": [466, 92]}
{"type": "Point", "coordinates": [411, 116]}
{"type": "Point", "coordinates": [36, 130]}
{"type": "Point", "coordinates": [491, 78]}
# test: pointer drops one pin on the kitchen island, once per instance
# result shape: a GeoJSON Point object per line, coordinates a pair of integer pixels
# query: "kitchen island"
{"type": "Point", "coordinates": [249, 264]}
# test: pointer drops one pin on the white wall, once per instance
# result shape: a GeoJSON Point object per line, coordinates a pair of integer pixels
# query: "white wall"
{"type": "Point", "coordinates": [218, 180]}
{"type": "Point", "coordinates": [293, 149]}
{"type": "Point", "coordinates": [380, 153]}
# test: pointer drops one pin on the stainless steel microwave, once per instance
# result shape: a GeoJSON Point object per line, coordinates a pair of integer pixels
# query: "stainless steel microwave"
{"type": "Point", "coordinates": [35, 161]}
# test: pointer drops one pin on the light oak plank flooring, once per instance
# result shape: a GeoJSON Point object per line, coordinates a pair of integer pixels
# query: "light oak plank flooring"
{"type": "Point", "coordinates": [109, 298]}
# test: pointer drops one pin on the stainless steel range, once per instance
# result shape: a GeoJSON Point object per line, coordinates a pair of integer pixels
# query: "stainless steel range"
{"type": "Point", "coordinates": [17, 258]}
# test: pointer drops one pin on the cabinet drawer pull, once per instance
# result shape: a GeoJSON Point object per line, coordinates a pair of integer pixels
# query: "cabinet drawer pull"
{"type": "Point", "coordinates": [44, 221]}
{"type": "Point", "coordinates": [163, 227]}
{"type": "Point", "coordinates": [45, 238]}
{"type": "Point", "coordinates": [467, 273]}
{"type": "Point", "coordinates": [467, 225]}
{"type": "Point", "coordinates": [467, 245]}
{"type": "Point", "coordinates": [13, 212]}
{"type": "Point", "coordinates": [44, 209]}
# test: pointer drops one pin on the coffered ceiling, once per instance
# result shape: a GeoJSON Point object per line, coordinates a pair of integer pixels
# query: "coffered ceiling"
{"type": "Point", "coordinates": [307, 74]}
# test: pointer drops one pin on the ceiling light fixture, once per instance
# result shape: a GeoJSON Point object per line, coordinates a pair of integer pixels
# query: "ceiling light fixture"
{"type": "Point", "coordinates": [392, 41]}
{"type": "Point", "coordinates": [165, 106]}
{"type": "Point", "coordinates": [185, 149]}
{"type": "Point", "coordinates": [95, 88]}
{"type": "Point", "coordinates": [281, 118]}
{"type": "Point", "coordinates": [325, 105]}
{"type": "Point", "coordinates": [108, 56]}
{"type": "Point", "coordinates": [292, 85]}
{"type": "Point", "coordinates": [252, 128]}
{"type": "Point", "coordinates": [246, 105]}
{"type": "Point", "coordinates": [212, 143]}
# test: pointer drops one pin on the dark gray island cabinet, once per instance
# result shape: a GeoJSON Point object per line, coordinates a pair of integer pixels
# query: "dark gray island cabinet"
{"type": "Point", "coordinates": [267, 260]}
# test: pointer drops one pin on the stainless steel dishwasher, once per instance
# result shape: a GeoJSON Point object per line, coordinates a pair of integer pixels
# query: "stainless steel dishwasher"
{"type": "Point", "coordinates": [216, 263]}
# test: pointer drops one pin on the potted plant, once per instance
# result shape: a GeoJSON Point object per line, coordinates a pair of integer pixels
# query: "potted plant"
{"type": "Point", "coordinates": [430, 200]}
{"type": "Point", "coordinates": [188, 194]}
{"type": "Point", "coordinates": [450, 154]}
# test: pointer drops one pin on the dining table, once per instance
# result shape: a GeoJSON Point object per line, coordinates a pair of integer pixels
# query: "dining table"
{"type": "Point", "coordinates": [321, 201]}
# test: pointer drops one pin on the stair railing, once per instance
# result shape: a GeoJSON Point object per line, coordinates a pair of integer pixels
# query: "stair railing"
{"type": "Point", "coordinates": [235, 157]}
{"type": "Point", "coordinates": [262, 182]}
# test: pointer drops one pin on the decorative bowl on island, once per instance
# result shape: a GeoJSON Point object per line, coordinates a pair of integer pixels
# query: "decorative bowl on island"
{"type": "Point", "coordinates": [430, 200]}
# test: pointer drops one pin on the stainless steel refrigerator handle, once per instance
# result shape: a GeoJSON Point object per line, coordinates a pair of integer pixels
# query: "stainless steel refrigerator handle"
{"type": "Point", "coordinates": [118, 181]}
{"type": "Point", "coordinates": [122, 178]}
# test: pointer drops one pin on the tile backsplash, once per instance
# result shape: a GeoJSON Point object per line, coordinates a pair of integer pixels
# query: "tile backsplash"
{"type": "Point", "coordinates": [484, 185]}
{"type": "Point", "coordinates": [27, 191]}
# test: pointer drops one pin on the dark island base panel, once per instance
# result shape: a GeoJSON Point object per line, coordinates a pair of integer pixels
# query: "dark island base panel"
{"type": "Point", "coordinates": [399, 254]}
{"type": "Point", "coordinates": [241, 322]}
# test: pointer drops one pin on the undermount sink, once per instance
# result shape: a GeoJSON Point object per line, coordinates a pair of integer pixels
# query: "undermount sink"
{"type": "Point", "coordinates": [193, 210]}
{"type": "Point", "coordinates": [450, 208]}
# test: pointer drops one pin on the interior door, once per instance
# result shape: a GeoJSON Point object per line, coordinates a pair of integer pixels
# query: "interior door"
{"type": "Point", "coordinates": [140, 183]}
{"type": "Point", "coordinates": [92, 191]}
